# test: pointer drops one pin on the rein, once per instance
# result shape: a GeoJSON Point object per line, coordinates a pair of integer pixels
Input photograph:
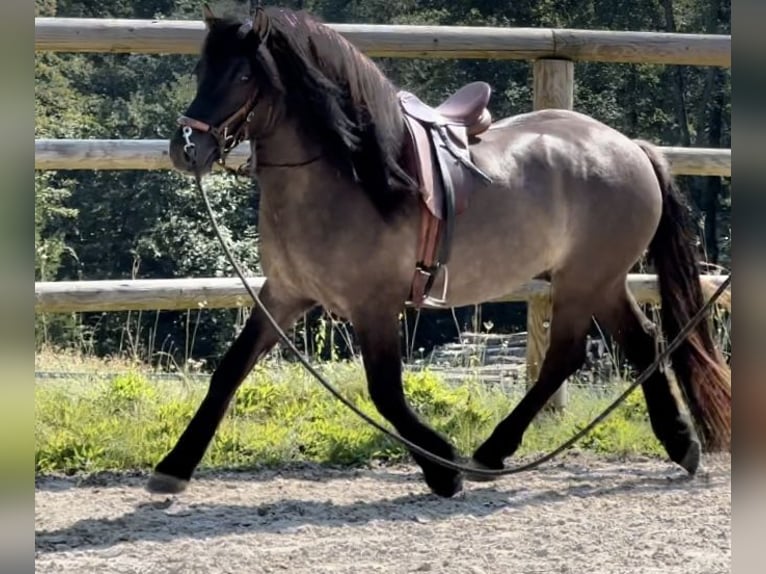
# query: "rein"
{"type": "Point", "coordinates": [475, 471]}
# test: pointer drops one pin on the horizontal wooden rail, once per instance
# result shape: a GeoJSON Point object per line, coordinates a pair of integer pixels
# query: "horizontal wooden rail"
{"type": "Point", "coordinates": [218, 293]}
{"type": "Point", "coordinates": [405, 41]}
{"type": "Point", "coordinates": [698, 161]}
{"type": "Point", "coordinates": [67, 154]}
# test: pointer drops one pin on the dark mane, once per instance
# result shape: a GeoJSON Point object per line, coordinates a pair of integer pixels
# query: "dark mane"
{"type": "Point", "coordinates": [342, 98]}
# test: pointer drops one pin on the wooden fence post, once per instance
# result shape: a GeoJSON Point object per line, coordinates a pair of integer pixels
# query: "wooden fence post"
{"type": "Point", "coordinates": [553, 88]}
{"type": "Point", "coordinates": [538, 323]}
{"type": "Point", "coordinates": [553, 84]}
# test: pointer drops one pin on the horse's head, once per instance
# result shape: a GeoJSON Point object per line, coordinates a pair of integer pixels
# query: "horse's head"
{"type": "Point", "coordinates": [230, 84]}
{"type": "Point", "coordinates": [299, 91]}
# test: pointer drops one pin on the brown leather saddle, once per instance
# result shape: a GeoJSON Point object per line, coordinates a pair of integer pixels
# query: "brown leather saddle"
{"type": "Point", "coordinates": [437, 156]}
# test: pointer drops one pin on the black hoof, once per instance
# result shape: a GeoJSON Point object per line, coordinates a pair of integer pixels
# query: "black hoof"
{"type": "Point", "coordinates": [160, 483]}
{"type": "Point", "coordinates": [691, 460]}
{"type": "Point", "coordinates": [485, 458]}
{"type": "Point", "coordinates": [446, 483]}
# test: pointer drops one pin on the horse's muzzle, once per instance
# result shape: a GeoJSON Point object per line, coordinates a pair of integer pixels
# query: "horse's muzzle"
{"type": "Point", "coordinates": [192, 151]}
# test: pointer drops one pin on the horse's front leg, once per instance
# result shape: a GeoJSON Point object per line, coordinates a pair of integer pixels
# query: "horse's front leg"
{"type": "Point", "coordinates": [378, 336]}
{"type": "Point", "coordinates": [173, 473]}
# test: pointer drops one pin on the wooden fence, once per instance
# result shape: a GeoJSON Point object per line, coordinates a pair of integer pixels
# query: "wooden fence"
{"type": "Point", "coordinates": [553, 52]}
{"type": "Point", "coordinates": [405, 41]}
{"type": "Point", "coordinates": [52, 154]}
{"type": "Point", "coordinates": [228, 292]}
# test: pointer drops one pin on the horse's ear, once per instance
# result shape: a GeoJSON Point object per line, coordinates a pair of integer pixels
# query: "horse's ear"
{"type": "Point", "coordinates": [208, 16]}
{"type": "Point", "coordinates": [261, 23]}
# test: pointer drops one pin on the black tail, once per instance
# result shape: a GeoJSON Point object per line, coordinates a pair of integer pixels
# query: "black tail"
{"type": "Point", "coordinates": [704, 376]}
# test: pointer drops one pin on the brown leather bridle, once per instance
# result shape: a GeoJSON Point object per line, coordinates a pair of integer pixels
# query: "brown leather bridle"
{"type": "Point", "coordinates": [228, 134]}
{"type": "Point", "coordinates": [228, 138]}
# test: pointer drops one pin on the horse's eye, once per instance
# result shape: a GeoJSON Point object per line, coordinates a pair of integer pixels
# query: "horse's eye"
{"type": "Point", "coordinates": [244, 78]}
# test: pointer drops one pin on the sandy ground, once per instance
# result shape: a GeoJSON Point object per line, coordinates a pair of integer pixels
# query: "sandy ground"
{"type": "Point", "coordinates": [581, 515]}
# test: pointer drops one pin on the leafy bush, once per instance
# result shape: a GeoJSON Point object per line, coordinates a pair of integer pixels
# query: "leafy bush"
{"type": "Point", "coordinates": [280, 415]}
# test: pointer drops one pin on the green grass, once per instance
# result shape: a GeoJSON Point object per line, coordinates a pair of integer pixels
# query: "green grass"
{"type": "Point", "coordinates": [281, 415]}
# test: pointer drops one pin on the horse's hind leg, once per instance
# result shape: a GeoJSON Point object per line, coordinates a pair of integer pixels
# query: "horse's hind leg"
{"type": "Point", "coordinates": [378, 335]}
{"type": "Point", "coordinates": [570, 321]}
{"type": "Point", "coordinates": [671, 423]}
{"type": "Point", "coordinates": [172, 474]}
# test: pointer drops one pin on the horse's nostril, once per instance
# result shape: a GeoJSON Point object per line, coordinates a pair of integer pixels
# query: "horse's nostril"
{"type": "Point", "coordinates": [190, 155]}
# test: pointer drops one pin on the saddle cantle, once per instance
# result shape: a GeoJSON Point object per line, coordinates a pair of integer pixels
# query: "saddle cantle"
{"type": "Point", "coordinates": [438, 156]}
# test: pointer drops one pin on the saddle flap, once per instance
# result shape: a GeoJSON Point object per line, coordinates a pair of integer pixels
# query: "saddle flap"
{"type": "Point", "coordinates": [423, 167]}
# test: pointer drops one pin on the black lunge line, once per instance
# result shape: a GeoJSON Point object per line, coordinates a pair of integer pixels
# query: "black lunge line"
{"type": "Point", "coordinates": [659, 360]}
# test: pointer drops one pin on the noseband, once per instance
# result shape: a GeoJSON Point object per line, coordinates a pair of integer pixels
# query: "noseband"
{"type": "Point", "coordinates": [228, 134]}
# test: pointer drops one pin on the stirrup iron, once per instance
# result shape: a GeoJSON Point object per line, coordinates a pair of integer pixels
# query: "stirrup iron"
{"type": "Point", "coordinates": [433, 301]}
